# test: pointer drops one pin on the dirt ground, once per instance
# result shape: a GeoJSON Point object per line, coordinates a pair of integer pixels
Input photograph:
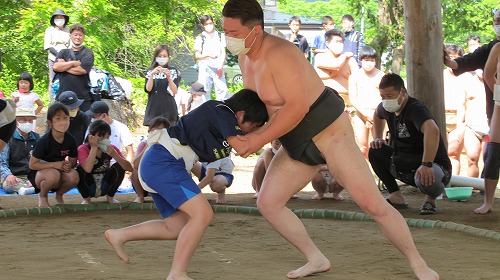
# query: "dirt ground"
{"type": "Point", "coordinates": [242, 246]}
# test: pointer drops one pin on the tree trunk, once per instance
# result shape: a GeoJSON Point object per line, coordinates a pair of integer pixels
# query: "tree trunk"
{"type": "Point", "coordinates": [424, 56]}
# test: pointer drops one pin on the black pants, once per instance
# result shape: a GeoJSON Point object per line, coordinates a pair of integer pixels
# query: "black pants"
{"type": "Point", "coordinates": [380, 159]}
{"type": "Point", "coordinates": [111, 181]}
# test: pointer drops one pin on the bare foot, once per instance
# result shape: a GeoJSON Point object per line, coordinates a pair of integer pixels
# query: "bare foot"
{"type": "Point", "coordinates": [294, 197]}
{"type": "Point", "coordinates": [338, 196]}
{"type": "Point", "coordinates": [318, 196]}
{"type": "Point", "coordinates": [86, 201]}
{"type": "Point", "coordinates": [484, 209]}
{"type": "Point", "coordinates": [139, 200]}
{"type": "Point", "coordinates": [309, 269]}
{"type": "Point", "coordinates": [59, 199]}
{"type": "Point", "coordinates": [426, 273]}
{"type": "Point", "coordinates": [111, 199]}
{"type": "Point", "coordinates": [178, 276]}
{"type": "Point", "coordinates": [43, 201]}
{"type": "Point", "coordinates": [113, 237]}
{"type": "Point", "coordinates": [256, 195]}
{"type": "Point", "coordinates": [221, 198]}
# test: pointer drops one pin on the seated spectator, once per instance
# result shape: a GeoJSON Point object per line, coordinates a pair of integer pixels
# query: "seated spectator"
{"type": "Point", "coordinates": [15, 157]}
{"type": "Point", "coordinates": [78, 121]}
{"type": "Point", "coordinates": [217, 174]}
{"type": "Point", "coordinates": [157, 123]}
{"type": "Point", "coordinates": [54, 157]}
{"type": "Point", "coordinates": [7, 121]}
{"type": "Point", "coordinates": [262, 164]}
{"type": "Point", "coordinates": [415, 154]}
{"type": "Point", "coordinates": [98, 177]}
{"type": "Point", "coordinates": [197, 98]}
{"type": "Point", "coordinates": [323, 182]}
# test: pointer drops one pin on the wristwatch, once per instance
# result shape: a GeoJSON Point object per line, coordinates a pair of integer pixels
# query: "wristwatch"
{"type": "Point", "coordinates": [427, 163]}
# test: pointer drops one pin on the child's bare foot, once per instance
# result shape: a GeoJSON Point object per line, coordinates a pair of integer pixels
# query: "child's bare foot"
{"type": "Point", "coordinates": [310, 268]}
{"type": "Point", "coordinates": [318, 196]}
{"type": "Point", "coordinates": [221, 198]}
{"type": "Point", "coordinates": [256, 195]}
{"type": "Point", "coordinates": [86, 200]}
{"type": "Point", "coordinates": [43, 201]}
{"type": "Point", "coordinates": [59, 199]}
{"type": "Point", "coordinates": [338, 196]}
{"type": "Point", "coordinates": [113, 237]}
{"type": "Point", "coordinates": [484, 209]}
{"type": "Point", "coordinates": [111, 199]}
{"type": "Point", "coordinates": [178, 276]}
{"type": "Point", "coordinates": [138, 200]}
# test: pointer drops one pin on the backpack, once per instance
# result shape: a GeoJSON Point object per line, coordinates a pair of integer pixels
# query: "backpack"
{"type": "Point", "coordinates": [203, 37]}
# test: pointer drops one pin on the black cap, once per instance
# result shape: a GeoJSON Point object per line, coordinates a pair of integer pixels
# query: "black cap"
{"type": "Point", "coordinates": [197, 88]}
{"type": "Point", "coordinates": [98, 107]}
{"type": "Point", "coordinates": [59, 12]}
{"type": "Point", "coordinates": [69, 99]}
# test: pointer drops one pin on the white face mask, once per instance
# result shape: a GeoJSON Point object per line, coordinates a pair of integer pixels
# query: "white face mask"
{"type": "Point", "coordinates": [103, 145]}
{"type": "Point", "coordinates": [391, 105]}
{"type": "Point", "coordinates": [336, 48]}
{"type": "Point", "coordinates": [367, 65]}
{"type": "Point", "coordinates": [237, 46]}
{"type": "Point", "coordinates": [59, 22]}
{"type": "Point", "coordinates": [497, 29]}
{"type": "Point", "coordinates": [25, 127]}
{"type": "Point", "coordinates": [162, 60]}
{"type": "Point", "coordinates": [209, 28]}
{"type": "Point", "coordinates": [75, 46]}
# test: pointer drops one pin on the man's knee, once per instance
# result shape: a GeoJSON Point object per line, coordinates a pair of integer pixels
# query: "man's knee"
{"type": "Point", "coordinates": [383, 153]}
{"type": "Point", "coordinates": [492, 165]}
{"type": "Point", "coordinates": [437, 187]}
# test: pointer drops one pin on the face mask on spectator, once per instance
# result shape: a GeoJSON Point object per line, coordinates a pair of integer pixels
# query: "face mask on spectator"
{"type": "Point", "coordinates": [391, 105]}
{"type": "Point", "coordinates": [59, 22]}
{"type": "Point", "coordinates": [103, 144]}
{"type": "Point", "coordinates": [367, 65]}
{"type": "Point", "coordinates": [162, 60]}
{"type": "Point", "coordinates": [25, 127]}
{"type": "Point", "coordinates": [497, 29]}
{"type": "Point", "coordinates": [73, 112]}
{"type": "Point", "coordinates": [209, 28]}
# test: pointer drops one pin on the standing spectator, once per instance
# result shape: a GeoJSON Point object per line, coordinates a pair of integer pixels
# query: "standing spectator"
{"type": "Point", "coordinates": [161, 85]}
{"type": "Point", "coordinates": [365, 96]}
{"type": "Point", "coordinates": [319, 45]}
{"type": "Point", "coordinates": [74, 66]}
{"type": "Point", "coordinates": [473, 42]}
{"type": "Point", "coordinates": [24, 97]}
{"type": "Point", "coordinates": [415, 154]}
{"type": "Point", "coordinates": [354, 40]}
{"type": "Point", "coordinates": [98, 176]}
{"type": "Point", "coordinates": [56, 38]}
{"type": "Point", "coordinates": [120, 134]}
{"type": "Point", "coordinates": [79, 122]}
{"type": "Point", "coordinates": [218, 174]}
{"type": "Point", "coordinates": [7, 122]}
{"type": "Point", "coordinates": [54, 157]}
{"type": "Point", "coordinates": [210, 50]}
{"type": "Point", "coordinates": [15, 157]}
{"type": "Point", "coordinates": [335, 67]}
{"type": "Point", "coordinates": [297, 39]}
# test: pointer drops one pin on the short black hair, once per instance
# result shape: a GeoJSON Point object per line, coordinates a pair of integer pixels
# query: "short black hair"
{"type": "Point", "coordinates": [204, 19]}
{"type": "Point", "coordinates": [367, 52]}
{"type": "Point", "coordinates": [54, 108]}
{"type": "Point", "coordinates": [392, 80]}
{"type": "Point", "coordinates": [98, 128]}
{"type": "Point", "coordinates": [326, 19]}
{"type": "Point", "coordinates": [249, 12]}
{"type": "Point", "coordinates": [332, 33]}
{"type": "Point", "coordinates": [25, 76]}
{"type": "Point", "coordinates": [157, 121]}
{"type": "Point", "coordinates": [294, 18]}
{"type": "Point", "coordinates": [348, 17]}
{"type": "Point", "coordinates": [248, 101]}
{"type": "Point", "coordinates": [452, 49]}
{"type": "Point", "coordinates": [474, 38]}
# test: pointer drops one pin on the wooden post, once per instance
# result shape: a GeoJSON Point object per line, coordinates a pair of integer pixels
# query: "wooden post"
{"type": "Point", "coordinates": [424, 56]}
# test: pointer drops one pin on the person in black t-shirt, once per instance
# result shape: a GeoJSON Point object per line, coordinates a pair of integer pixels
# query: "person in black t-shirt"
{"type": "Point", "coordinates": [415, 154]}
{"type": "Point", "coordinates": [54, 157]}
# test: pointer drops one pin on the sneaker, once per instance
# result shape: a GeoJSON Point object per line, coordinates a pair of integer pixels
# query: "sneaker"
{"type": "Point", "coordinates": [26, 191]}
{"type": "Point", "coordinates": [428, 208]}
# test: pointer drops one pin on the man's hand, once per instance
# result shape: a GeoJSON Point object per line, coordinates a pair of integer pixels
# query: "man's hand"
{"type": "Point", "coordinates": [252, 144]}
{"type": "Point", "coordinates": [426, 175]}
{"type": "Point", "coordinates": [11, 180]}
{"type": "Point", "coordinates": [377, 143]}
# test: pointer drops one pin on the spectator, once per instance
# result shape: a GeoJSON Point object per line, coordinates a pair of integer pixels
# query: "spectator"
{"type": "Point", "coordinates": [473, 42]}
{"type": "Point", "coordinates": [56, 39]}
{"type": "Point", "coordinates": [120, 134]}
{"type": "Point", "coordinates": [24, 97]}
{"type": "Point", "coordinates": [365, 96]}
{"type": "Point", "coordinates": [15, 157]}
{"type": "Point", "coordinates": [7, 122]}
{"type": "Point", "coordinates": [354, 40]}
{"type": "Point", "coordinates": [319, 45]}
{"type": "Point", "coordinates": [54, 157]}
{"type": "Point", "coordinates": [415, 154]}
{"type": "Point", "coordinates": [335, 67]}
{"type": "Point", "coordinates": [262, 165]}
{"type": "Point", "coordinates": [161, 85]}
{"type": "Point", "coordinates": [218, 174]}
{"type": "Point", "coordinates": [210, 50]}
{"type": "Point", "coordinates": [297, 39]}
{"type": "Point", "coordinates": [182, 101]}
{"type": "Point", "coordinates": [157, 123]}
{"type": "Point", "coordinates": [197, 91]}
{"type": "Point", "coordinates": [98, 176]}
{"type": "Point", "coordinates": [323, 182]}
{"type": "Point", "coordinates": [79, 122]}
{"type": "Point", "coordinates": [74, 66]}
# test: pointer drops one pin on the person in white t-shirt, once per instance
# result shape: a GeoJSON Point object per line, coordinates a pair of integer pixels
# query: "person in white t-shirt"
{"type": "Point", "coordinates": [217, 174]}
{"type": "Point", "coordinates": [210, 50]}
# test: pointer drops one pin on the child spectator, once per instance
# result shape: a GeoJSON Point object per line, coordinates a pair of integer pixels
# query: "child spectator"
{"type": "Point", "coordinates": [24, 97]}
{"type": "Point", "coordinates": [208, 133]}
{"type": "Point", "coordinates": [54, 157]}
{"type": "Point", "coordinates": [157, 123]}
{"type": "Point", "coordinates": [262, 164]}
{"type": "Point", "coordinates": [79, 121]}
{"type": "Point", "coordinates": [98, 177]}
{"type": "Point", "coordinates": [218, 174]}
{"type": "Point", "coordinates": [323, 182]}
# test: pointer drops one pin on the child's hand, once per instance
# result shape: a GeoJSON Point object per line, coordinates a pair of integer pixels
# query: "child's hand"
{"type": "Point", "coordinates": [66, 166]}
{"type": "Point", "coordinates": [93, 141]}
{"type": "Point", "coordinates": [15, 98]}
{"type": "Point", "coordinates": [111, 152]}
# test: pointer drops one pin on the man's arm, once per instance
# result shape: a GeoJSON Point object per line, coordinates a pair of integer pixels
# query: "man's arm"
{"type": "Point", "coordinates": [378, 132]}
{"type": "Point", "coordinates": [325, 62]}
{"type": "Point", "coordinates": [491, 67]}
{"type": "Point", "coordinates": [63, 66]}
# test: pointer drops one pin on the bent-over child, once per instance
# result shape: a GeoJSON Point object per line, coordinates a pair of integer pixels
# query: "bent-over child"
{"type": "Point", "coordinates": [217, 174]}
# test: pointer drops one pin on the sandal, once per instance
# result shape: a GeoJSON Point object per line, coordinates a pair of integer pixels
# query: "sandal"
{"type": "Point", "coordinates": [397, 205]}
{"type": "Point", "coordinates": [428, 208]}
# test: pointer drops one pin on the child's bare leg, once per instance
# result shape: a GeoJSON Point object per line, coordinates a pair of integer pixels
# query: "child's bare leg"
{"type": "Point", "coordinates": [489, 198]}
{"type": "Point", "coordinates": [111, 199]}
{"type": "Point", "coordinates": [201, 214]}
{"type": "Point", "coordinates": [166, 229]}
{"type": "Point", "coordinates": [86, 201]}
{"type": "Point", "coordinates": [320, 186]}
{"type": "Point", "coordinates": [336, 189]}
{"type": "Point", "coordinates": [221, 197]}
{"type": "Point", "coordinates": [46, 180]}
{"type": "Point", "coordinates": [137, 187]}
{"type": "Point", "coordinates": [68, 181]}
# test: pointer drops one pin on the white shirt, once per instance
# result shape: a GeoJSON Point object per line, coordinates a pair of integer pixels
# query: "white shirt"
{"type": "Point", "coordinates": [213, 46]}
{"type": "Point", "coordinates": [120, 135]}
{"type": "Point", "coordinates": [57, 39]}
{"type": "Point", "coordinates": [26, 100]}
{"type": "Point", "coordinates": [224, 165]}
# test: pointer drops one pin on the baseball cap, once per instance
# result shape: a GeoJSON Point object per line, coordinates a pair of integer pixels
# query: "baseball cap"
{"type": "Point", "coordinates": [69, 99]}
{"type": "Point", "coordinates": [25, 112]}
{"type": "Point", "coordinates": [197, 88]}
{"type": "Point", "coordinates": [98, 107]}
